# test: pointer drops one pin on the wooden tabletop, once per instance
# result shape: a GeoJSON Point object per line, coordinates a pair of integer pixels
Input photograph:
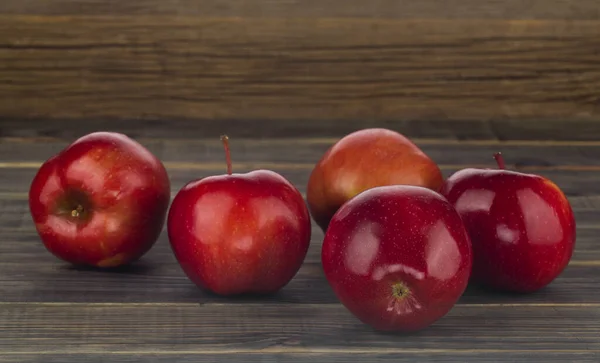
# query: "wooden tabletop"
{"type": "Point", "coordinates": [150, 312]}
{"type": "Point", "coordinates": [285, 79]}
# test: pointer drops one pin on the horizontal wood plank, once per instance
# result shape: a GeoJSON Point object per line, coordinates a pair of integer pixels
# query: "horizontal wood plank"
{"type": "Point", "coordinates": [173, 67]}
{"type": "Point", "coordinates": [574, 183]}
{"type": "Point", "coordinates": [405, 356]}
{"type": "Point", "coordinates": [304, 153]}
{"type": "Point", "coordinates": [250, 328]}
{"type": "Point", "coordinates": [158, 281]}
{"type": "Point", "coordinates": [197, 128]}
{"type": "Point", "coordinates": [15, 218]}
{"type": "Point", "coordinates": [23, 243]}
{"type": "Point", "coordinates": [29, 273]}
{"type": "Point", "coordinates": [400, 9]}
{"type": "Point", "coordinates": [579, 203]}
{"type": "Point", "coordinates": [307, 152]}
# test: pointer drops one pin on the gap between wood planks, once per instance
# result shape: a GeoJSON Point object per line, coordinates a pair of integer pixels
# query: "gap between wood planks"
{"type": "Point", "coordinates": [301, 350]}
{"type": "Point", "coordinates": [326, 141]}
{"type": "Point", "coordinates": [217, 304]}
{"type": "Point", "coordinates": [178, 165]}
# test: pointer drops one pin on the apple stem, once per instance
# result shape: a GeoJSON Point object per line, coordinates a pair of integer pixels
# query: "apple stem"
{"type": "Point", "coordinates": [499, 160]}
{"type": "Point", "coordinates": [225, 140]}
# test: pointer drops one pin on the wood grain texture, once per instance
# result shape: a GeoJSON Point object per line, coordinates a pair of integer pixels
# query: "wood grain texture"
{"type": "Point", "coordinates": [23, 242]}
{"type": "Point", "coordinates": [157, 278]}
{"type": "Point", "coordinates": [575, 183]}
{"type": "Point", "coordinates": [402, 357]}
{"type": "Point", "coordinates": [201, 329]}
{"type": "Point", "coordinates": [399, 9]}
{"type": "Point", "coordinates": [275, 129]}
{"type": "Point", "coordinates": [170, 67]}
{"type": "Point", "coordinates": [191, 129]}
{"type": "Point", "coordinates": [150, 312]}
{"type": "Point", "coordinates": [289, 153]}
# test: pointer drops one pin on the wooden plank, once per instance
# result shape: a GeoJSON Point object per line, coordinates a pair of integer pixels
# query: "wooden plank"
{"type": "Point", "coordinates": [193, 129]}
{"type": "Point", "coordinates": [162, 282]}
{"type": "Point", "coordinates": [29, 273]}
{"type": "Point", "coordinates": [575, 183]}
{"type": "Point", "coordinates": [172, 67]}
{"type": "Point", "coordinates": [14, 186]}
{"type": "Point", "coordinates": [14, 214]}
{"type": "Point", "coordinates": [401, 9]}
{"type": "Point", "coordinates": [254, 328]}
{"type": "Point", "coordinates": [310, 150]}
{"type": "Point", "coordinates": [23, 244]}
{"type": "Point", "coordinates": [201, 128]}
{"type": "Point", "coordinates": [405, 356]}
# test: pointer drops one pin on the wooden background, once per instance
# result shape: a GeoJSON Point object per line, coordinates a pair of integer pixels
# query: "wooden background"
{"type": "Point", "coordinates": [285, 79]}
{"type": "Point", "coordinates": [313, 60]}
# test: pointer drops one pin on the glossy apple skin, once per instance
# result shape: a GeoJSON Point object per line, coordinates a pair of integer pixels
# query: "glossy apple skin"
{"type": "Point", "coordinates": [393, 235]}
{"type": "Point", "coordinates": [521, 226]}
{"type": "Point", "coordinates": [240, 233]}
{"type": "Point", "coordinates": [124, 191]}
{"type": "Point", "coordinates": [362, 160]}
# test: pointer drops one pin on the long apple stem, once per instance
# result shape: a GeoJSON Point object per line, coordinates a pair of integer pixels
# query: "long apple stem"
{"type": "Point", "coordinates": [225, 140]}
{"type": "Point", "coordinates": [499, 160]}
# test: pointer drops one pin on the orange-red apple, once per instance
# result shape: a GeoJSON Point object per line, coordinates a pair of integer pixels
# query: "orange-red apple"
{"type": "Point", "coordinates": [362, 160]}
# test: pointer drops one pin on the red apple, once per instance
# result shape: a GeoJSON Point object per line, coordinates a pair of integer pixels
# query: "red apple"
{"type": "Point", "coordinates": [397, 257]}
{"type": "Point", "coordinates": [102, 201]}
{"type": "Point", "coordinates": [362, 160]}
{"type": "Point", "coordinates": [521, 226]}
{"type": "Point", "coordinates": [239, 233]}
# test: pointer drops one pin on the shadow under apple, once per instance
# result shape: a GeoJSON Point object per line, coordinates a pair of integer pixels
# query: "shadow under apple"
{"type": "Point", "coordinates": [139, 267]}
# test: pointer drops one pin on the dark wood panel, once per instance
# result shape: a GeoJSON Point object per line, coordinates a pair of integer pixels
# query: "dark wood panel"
{"type": "Point", "coordinates": [480, 129]}
{"type": "Point", "coordinates": [14, 214]}
{"type": "Point", "coordinates": [168, 67]}
{"type": "Point", "coordinates": [154, 281]}
{"type": "Point", "coordinates": [201, 329]}
{"type": "Point", "coordinates": [23, 244]}
{"type": "Point", "coordinates": [405, 356]}
{"type": "Point", "coordinates": [309, 151]}
{"type": "Point", "coordinates": [575, 183]}
{"type": "Point", "coordinates": [461, 9]}
{"type": "Point", "coordinates": [29, 273]}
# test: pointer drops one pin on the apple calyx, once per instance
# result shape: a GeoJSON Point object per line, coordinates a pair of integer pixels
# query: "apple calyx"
{"type": "Point", "coordinates": [78, 211]}
{"type": "Point", "coordinates": [74, 205]}
{"type": "Point", "coordinates": [225, 140]}
{"type": "Point", "coordinates": [400, 291]}
{"type": "Point", "coordinates": [499, 160]}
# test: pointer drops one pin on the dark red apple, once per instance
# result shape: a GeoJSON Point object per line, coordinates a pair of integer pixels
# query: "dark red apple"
{"type": "Point", "coordinates": [239, 233]}
{"type": "Point", "coordinates": [102, 201]}
{"type": "Point", "coordinates": [521, 226]}
{"type": "Point", "coordinates": [362, 160]}
{"type": "Point", "coordinates": [397, 257]}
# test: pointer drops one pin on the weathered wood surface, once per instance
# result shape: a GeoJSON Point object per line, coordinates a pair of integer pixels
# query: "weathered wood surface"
{"type": "Point", "coordinates": [150, 312]}
{"type": "Point", "coordinates": [396, 9]}
{"type": "Point", "coordinates": [406, 356]}
{"type": "Point", "coordinates": [252, 327]}
{"type": "Point", "coordinates": [186, 129]}
{"type": "Point", "coordinates": [156, 60]}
